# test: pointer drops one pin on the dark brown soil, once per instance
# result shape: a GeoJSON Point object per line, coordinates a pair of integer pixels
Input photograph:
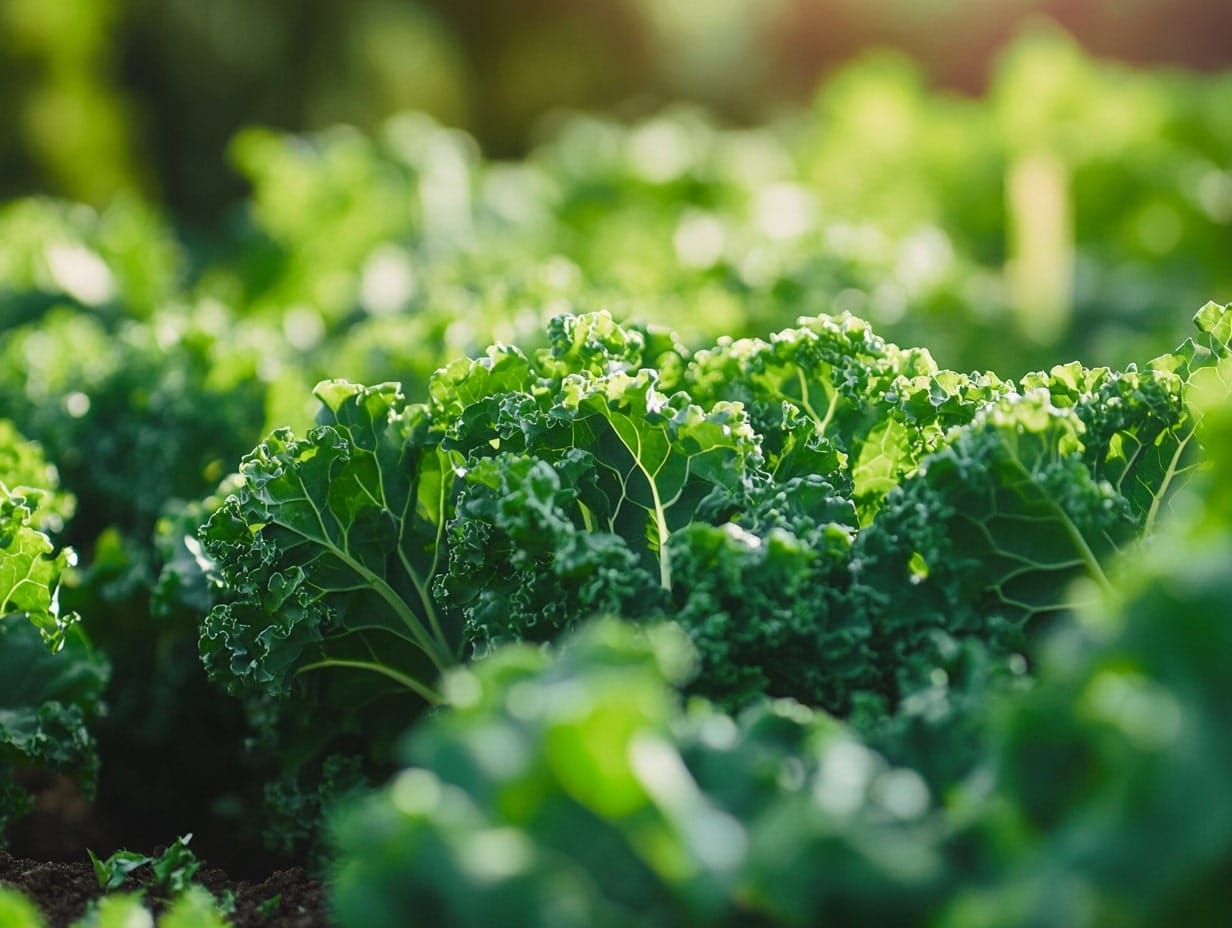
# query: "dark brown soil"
{"type": "Point", "coordinates": [47, 860]}
{"type": "Point", "coordinates": [286, 899]}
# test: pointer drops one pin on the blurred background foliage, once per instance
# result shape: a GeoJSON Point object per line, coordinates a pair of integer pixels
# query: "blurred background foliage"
{"type": "Point", "coordinates": [1007, 183]}
{"type": "Point", "coordinates": [109, 95]}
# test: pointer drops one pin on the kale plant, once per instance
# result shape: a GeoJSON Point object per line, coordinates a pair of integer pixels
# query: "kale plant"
{"type": "Point", "coordinates": [53, 680]}
{"type": "Point", "coordinates": [572, 786]}
{"type": "Point", "coordinates": [829, 517]}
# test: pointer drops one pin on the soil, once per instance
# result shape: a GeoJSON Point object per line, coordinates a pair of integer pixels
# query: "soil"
{"type": "Point", "coordinates": [47, 860]}
{"type": "Point", "coordinates": [63, 890]}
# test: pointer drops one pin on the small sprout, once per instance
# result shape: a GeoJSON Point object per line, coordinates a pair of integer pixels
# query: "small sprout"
{"type": "Point", "coordinates": [112, 872]}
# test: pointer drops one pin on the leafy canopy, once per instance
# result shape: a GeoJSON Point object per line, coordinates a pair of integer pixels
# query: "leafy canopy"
{"type": "Point", "coordinates": [829, 517]}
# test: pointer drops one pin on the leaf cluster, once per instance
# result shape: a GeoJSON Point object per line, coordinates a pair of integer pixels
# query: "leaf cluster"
{"type": "Point", "coordinates": [575, 789]}
{"type": "Point", "coordinates": [53, 679]}
{"type": "Point", "coordinates": [829, 517]}
{"type": "Point", "coordinates": [573, 786]}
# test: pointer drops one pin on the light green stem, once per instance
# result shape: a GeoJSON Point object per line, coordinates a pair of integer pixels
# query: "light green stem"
{"type": "Point", "coordinates": [415, 686]}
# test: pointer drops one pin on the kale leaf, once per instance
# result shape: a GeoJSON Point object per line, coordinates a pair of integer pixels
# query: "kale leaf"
{"type": "Point", "coordinates": [53, 679]}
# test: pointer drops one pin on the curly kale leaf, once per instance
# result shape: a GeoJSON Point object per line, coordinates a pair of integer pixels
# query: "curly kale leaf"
{"type": "Point", "coordinates": [924, 412]}
{"type": "Point", "coordinates": [1139, 427]}
{"type": "Point", "coordinates": [595, 344]}
{"type": "Point", "coordinates": [768, 614]}
{"type": "Point", "coordinates": [30, 567]}
{"type": "Point", "coordinates": [22, 464]}
{"type": "Point", "coordinates": [523, 565]}
{"type": "Point", "coordinates": [1129, 711]}
{"type": "Point", "coordinates": [47, 705]}
{"type": "Point", "coordinates": [988, 535]}
{"type": "Point", "coordinates": [1041, 488]}
{"type": "Point", "coordinates": [657, 457]}
{"type": "Point", "coordinates": [835, 371]}
{"type": "Point", "coordinates": [329, 549]}
{"type": "Point", "coordinates": [579, 523]}
{"type": "Point", "coordinates": [53, 680]}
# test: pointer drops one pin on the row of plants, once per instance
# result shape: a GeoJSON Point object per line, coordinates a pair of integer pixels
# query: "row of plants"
{"type": "Point", "coordinates": [916, 613]}
{"type": "Point", "coordinates": [579, 789]}
{"type": "Point", "coordinates": [884, 572]}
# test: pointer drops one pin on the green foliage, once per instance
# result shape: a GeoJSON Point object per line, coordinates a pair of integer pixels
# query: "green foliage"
{"type": "Point", "coordinates": [114, 870]}
{"type": "Point", "coordinates": [1132, 824]}
{"type": "Point", "coordinates": [18, 911]}
{"type": "Point", "coordinates": [142, 407]}
{"type": "Point", "coordinates": [47, 709]}
{"type": "Point", "coordinates": [53, 677]}
{"type": "Point", "coordinates": [356, 506]}
{"type": "Point", "coordinates": [193, 907]}
{"type": "Point", "coordinates": [122, 258]}
{"type": "Point", "coordinates": [576, 790]}
{"type": "Point", "coordinates": [190, 905]}
{"type": "Point", "coordinates": [118, 911]}
{"type": "Point", "coordinates": [24, 469]}
{"type": "Point", "coordinates": [173, 869]}
{"type": "Point", "coordinates": [830, 518]}
{"type": "Point", "coordinates": [168, 407]}
{"type": "Point", "coordinates": [379, 257]}
{"type": "Point", "coordinates": [293, 807]}
{"type": "Point", "coordinates": [571, 786]}
{"type": "Point", "coordinates": [30, 567]}
{"type": "Point", "coordinates": [827, 516]}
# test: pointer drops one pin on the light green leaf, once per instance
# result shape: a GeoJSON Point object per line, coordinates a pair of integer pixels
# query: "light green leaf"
{"type": "Point", "coordinates": [16, 911]}
{"type": "Point", "coordinates": [30, 568]}
{"type": "Point", "coordinates": [657, 455]}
